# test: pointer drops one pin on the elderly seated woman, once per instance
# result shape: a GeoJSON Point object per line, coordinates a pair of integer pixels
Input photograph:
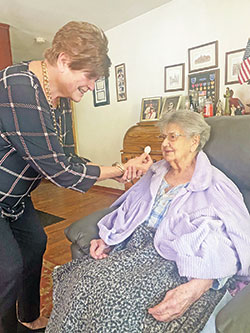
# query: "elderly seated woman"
{"type": "Point", "coordinates": [167, 253]}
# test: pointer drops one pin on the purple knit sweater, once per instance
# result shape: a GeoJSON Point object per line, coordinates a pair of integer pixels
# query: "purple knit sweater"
{"type": "Point", "coordinates": [206, 229]}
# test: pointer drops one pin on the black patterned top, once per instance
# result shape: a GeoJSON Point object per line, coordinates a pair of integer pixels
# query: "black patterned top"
{"type": "Point", "coordinates": [29, 146]}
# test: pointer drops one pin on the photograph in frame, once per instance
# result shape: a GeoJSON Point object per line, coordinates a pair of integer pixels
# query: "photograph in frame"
{"type": "Point", "coordinates": [203, 57]}
{"type": "Point", "coordinates": [233, 61]}
{"type": "Point", "coordinates": [170, 103]}
{"type": "Point", "coordinates": [174, 77]}
{"type": "Point", "coordinates": [150, 108]}
{"type": "Point", "coordinates": [121, 85]}
{"type": "Point", "coordinates": [101, 92]}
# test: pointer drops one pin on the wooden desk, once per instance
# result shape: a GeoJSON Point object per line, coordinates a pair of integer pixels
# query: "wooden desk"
{"type": "Point", "coordinates": [137, 138]}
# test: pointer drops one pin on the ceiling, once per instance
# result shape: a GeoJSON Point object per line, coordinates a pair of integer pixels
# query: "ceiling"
{"type": "Point", "coordinates": [29, 19]}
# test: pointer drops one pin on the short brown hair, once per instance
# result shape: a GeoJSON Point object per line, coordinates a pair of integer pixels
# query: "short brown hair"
{"type": "Point", "coordinates": [85, 44]}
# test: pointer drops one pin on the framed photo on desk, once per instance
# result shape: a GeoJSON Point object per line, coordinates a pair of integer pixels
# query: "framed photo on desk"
{"type": "Point", "coordinates": [171, 103]}
{"type": "Point", "coordinates": [150, 108]}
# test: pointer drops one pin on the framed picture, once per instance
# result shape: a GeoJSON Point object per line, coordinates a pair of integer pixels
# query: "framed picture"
{"type": "Point", "coordinates": [121, 88]}
{"type": "Point", "coordinates": [171, 103]}
{"type": "Point", "coordinates": [204, 85]}
{"type": "Point", "coordinates": [203, 57]}
{"type": "Point", "coordinates": [232, 65]}
{"type": "Point", "coordinates": [101, 92]}
{"type": "Point", "coordinates": [174, 77]}
{"type": "Point", "coordinates": [150, 109]}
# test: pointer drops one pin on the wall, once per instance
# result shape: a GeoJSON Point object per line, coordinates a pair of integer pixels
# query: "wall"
{"type": "Point", "coordinates": [147, 44]}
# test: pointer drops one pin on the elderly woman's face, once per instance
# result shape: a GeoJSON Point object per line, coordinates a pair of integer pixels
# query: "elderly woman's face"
{"type": "Point", "coordinates": [176, 146]}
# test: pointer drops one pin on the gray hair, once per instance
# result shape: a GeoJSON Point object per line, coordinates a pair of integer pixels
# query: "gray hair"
{"type": "Point", "coordinates": [191, 122]}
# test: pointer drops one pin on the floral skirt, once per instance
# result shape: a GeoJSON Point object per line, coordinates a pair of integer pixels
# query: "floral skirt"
{"type": "Point", "coordinates": [115, 293]}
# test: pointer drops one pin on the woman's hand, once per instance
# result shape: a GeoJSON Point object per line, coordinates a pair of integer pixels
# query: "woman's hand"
{"type": "Point", "coordinates": [134, 168]}
{"type": "Point", "coordinates": [179, 299]}
{"type": "Point", "coordinates": [137, 167]}
{"type": "Point", "coordinates": [99, 249]}
{"type": "Point", "coordinates": [141, 163]}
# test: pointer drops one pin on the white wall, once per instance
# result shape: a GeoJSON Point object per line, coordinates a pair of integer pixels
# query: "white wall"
{"type": "Point", "coordinates": [147, 44]}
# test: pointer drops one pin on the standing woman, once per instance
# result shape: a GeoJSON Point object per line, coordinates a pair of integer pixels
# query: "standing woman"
{"type": "Point", "coordinates": [34, 104]}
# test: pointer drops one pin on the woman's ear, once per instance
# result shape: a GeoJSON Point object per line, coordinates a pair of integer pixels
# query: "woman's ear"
{"type": "Point", "coordinates": [195, 143]}
{"type": "Point", "coordinates": [63, 62]}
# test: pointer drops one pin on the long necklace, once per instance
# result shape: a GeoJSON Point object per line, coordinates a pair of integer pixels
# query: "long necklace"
{"type": "Point", "coordinates": [49, 99]}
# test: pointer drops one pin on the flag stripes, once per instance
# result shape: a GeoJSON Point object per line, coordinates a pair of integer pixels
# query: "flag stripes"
{"type": "Point", "coordinates": [244, 73]}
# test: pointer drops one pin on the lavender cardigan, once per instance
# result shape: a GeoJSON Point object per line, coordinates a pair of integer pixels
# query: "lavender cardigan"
{"type": "Point", "coordinates": [206, 229]}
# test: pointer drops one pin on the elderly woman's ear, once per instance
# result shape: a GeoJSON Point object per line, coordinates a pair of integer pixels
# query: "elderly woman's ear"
{"type": "Point", "coordinates": [195, 143]}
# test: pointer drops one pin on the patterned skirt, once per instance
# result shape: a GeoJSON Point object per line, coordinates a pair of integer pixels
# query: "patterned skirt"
{"type": "Point", "coordinates": [115, 293]}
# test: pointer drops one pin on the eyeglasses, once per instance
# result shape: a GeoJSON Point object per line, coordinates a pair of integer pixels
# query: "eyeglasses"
{"type": "Point", "coordinates": [172, 137]}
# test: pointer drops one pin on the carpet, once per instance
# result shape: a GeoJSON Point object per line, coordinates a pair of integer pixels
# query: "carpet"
{"type": "Point", "coordinates": [46, 288]}
{"type": "Point", "coordinates": [48, 219]}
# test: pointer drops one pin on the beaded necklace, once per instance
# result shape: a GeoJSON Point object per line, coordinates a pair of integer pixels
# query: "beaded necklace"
{"type": "Point", "coordinates": [49, 99]}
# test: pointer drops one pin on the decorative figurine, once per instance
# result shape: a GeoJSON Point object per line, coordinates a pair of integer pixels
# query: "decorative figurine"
{"type": "Point", "coordinates": [219, 108]}
{"type": "Point", "coordinates": [238, 111]}
{"type": "Point", "coordinates": [227, 105]}
{"type": "Point", "coordinates": [236, 102]}
{"type": "Point", "coordinates": [233, 109]}
{"type": "Point", "coordinates": [208, 108]}
{"type": "Point", "coordinates": [187, 103]}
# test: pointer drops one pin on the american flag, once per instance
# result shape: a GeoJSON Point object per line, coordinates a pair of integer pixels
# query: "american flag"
{"type": "Point", "coordinates": [244, 73]}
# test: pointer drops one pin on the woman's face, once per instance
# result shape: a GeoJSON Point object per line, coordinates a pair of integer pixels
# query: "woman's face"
{"type": "Point", "coordinates": [75, 83]}
{"type": "Point", "coordinates": [176, 146]}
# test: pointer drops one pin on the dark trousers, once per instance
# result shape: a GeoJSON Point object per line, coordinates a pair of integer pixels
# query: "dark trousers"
{"type": "Point", "coordinates": [22, 245]}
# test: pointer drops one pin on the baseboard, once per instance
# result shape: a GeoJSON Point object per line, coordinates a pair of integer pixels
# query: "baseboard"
{"type": "Point", "coordinates": [109, 190]}
{"type": "Point", "coordinates": [100, 188]}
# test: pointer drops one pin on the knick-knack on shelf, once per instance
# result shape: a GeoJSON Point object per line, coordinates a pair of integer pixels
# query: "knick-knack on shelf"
{"type": "Point", "coordinates": [227, 106]}
{"type": "Point", "coordinates": [219, 108]}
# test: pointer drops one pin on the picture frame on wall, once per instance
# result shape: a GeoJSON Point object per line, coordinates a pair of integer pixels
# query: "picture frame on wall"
{"type": "Point", "coordinates": [174, 77]}
{"type": "Point", "coordinates": [170, 103]}
{"type": "Point", "coordinates": [233, 61]}
{"type": "Point", "coordinates": [150, 108]}
{"type": "Point", "coordinates": [205, 85]}
{"type": "Point", "coordinates": [101, 92]}
{"type": "Point", "coordinates": [203, 57]}
{"type": "Point", "coordinates": [121, 85]}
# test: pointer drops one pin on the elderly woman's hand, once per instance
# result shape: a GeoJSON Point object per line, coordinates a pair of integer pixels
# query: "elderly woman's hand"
{"type": "Point", "coordinates": [138, 166]}
{"type": "Point", "coordinates": [179, 299]}
{"type": "Point", "coordinates": [99, 249]}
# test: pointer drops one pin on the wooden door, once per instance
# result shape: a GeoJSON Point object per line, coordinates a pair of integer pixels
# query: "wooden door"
{"type": "Point", "coordinates": [5, 50]}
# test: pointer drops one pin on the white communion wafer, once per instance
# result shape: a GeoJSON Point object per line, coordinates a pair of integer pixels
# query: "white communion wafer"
{"type": "Point", "coordinates": [147, 149]}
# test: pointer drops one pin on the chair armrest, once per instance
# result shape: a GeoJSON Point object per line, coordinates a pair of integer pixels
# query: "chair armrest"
{"type": "Point", "coordinates": [234, 317]}
{"type": "Point", "coordinates": [81, 232]}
